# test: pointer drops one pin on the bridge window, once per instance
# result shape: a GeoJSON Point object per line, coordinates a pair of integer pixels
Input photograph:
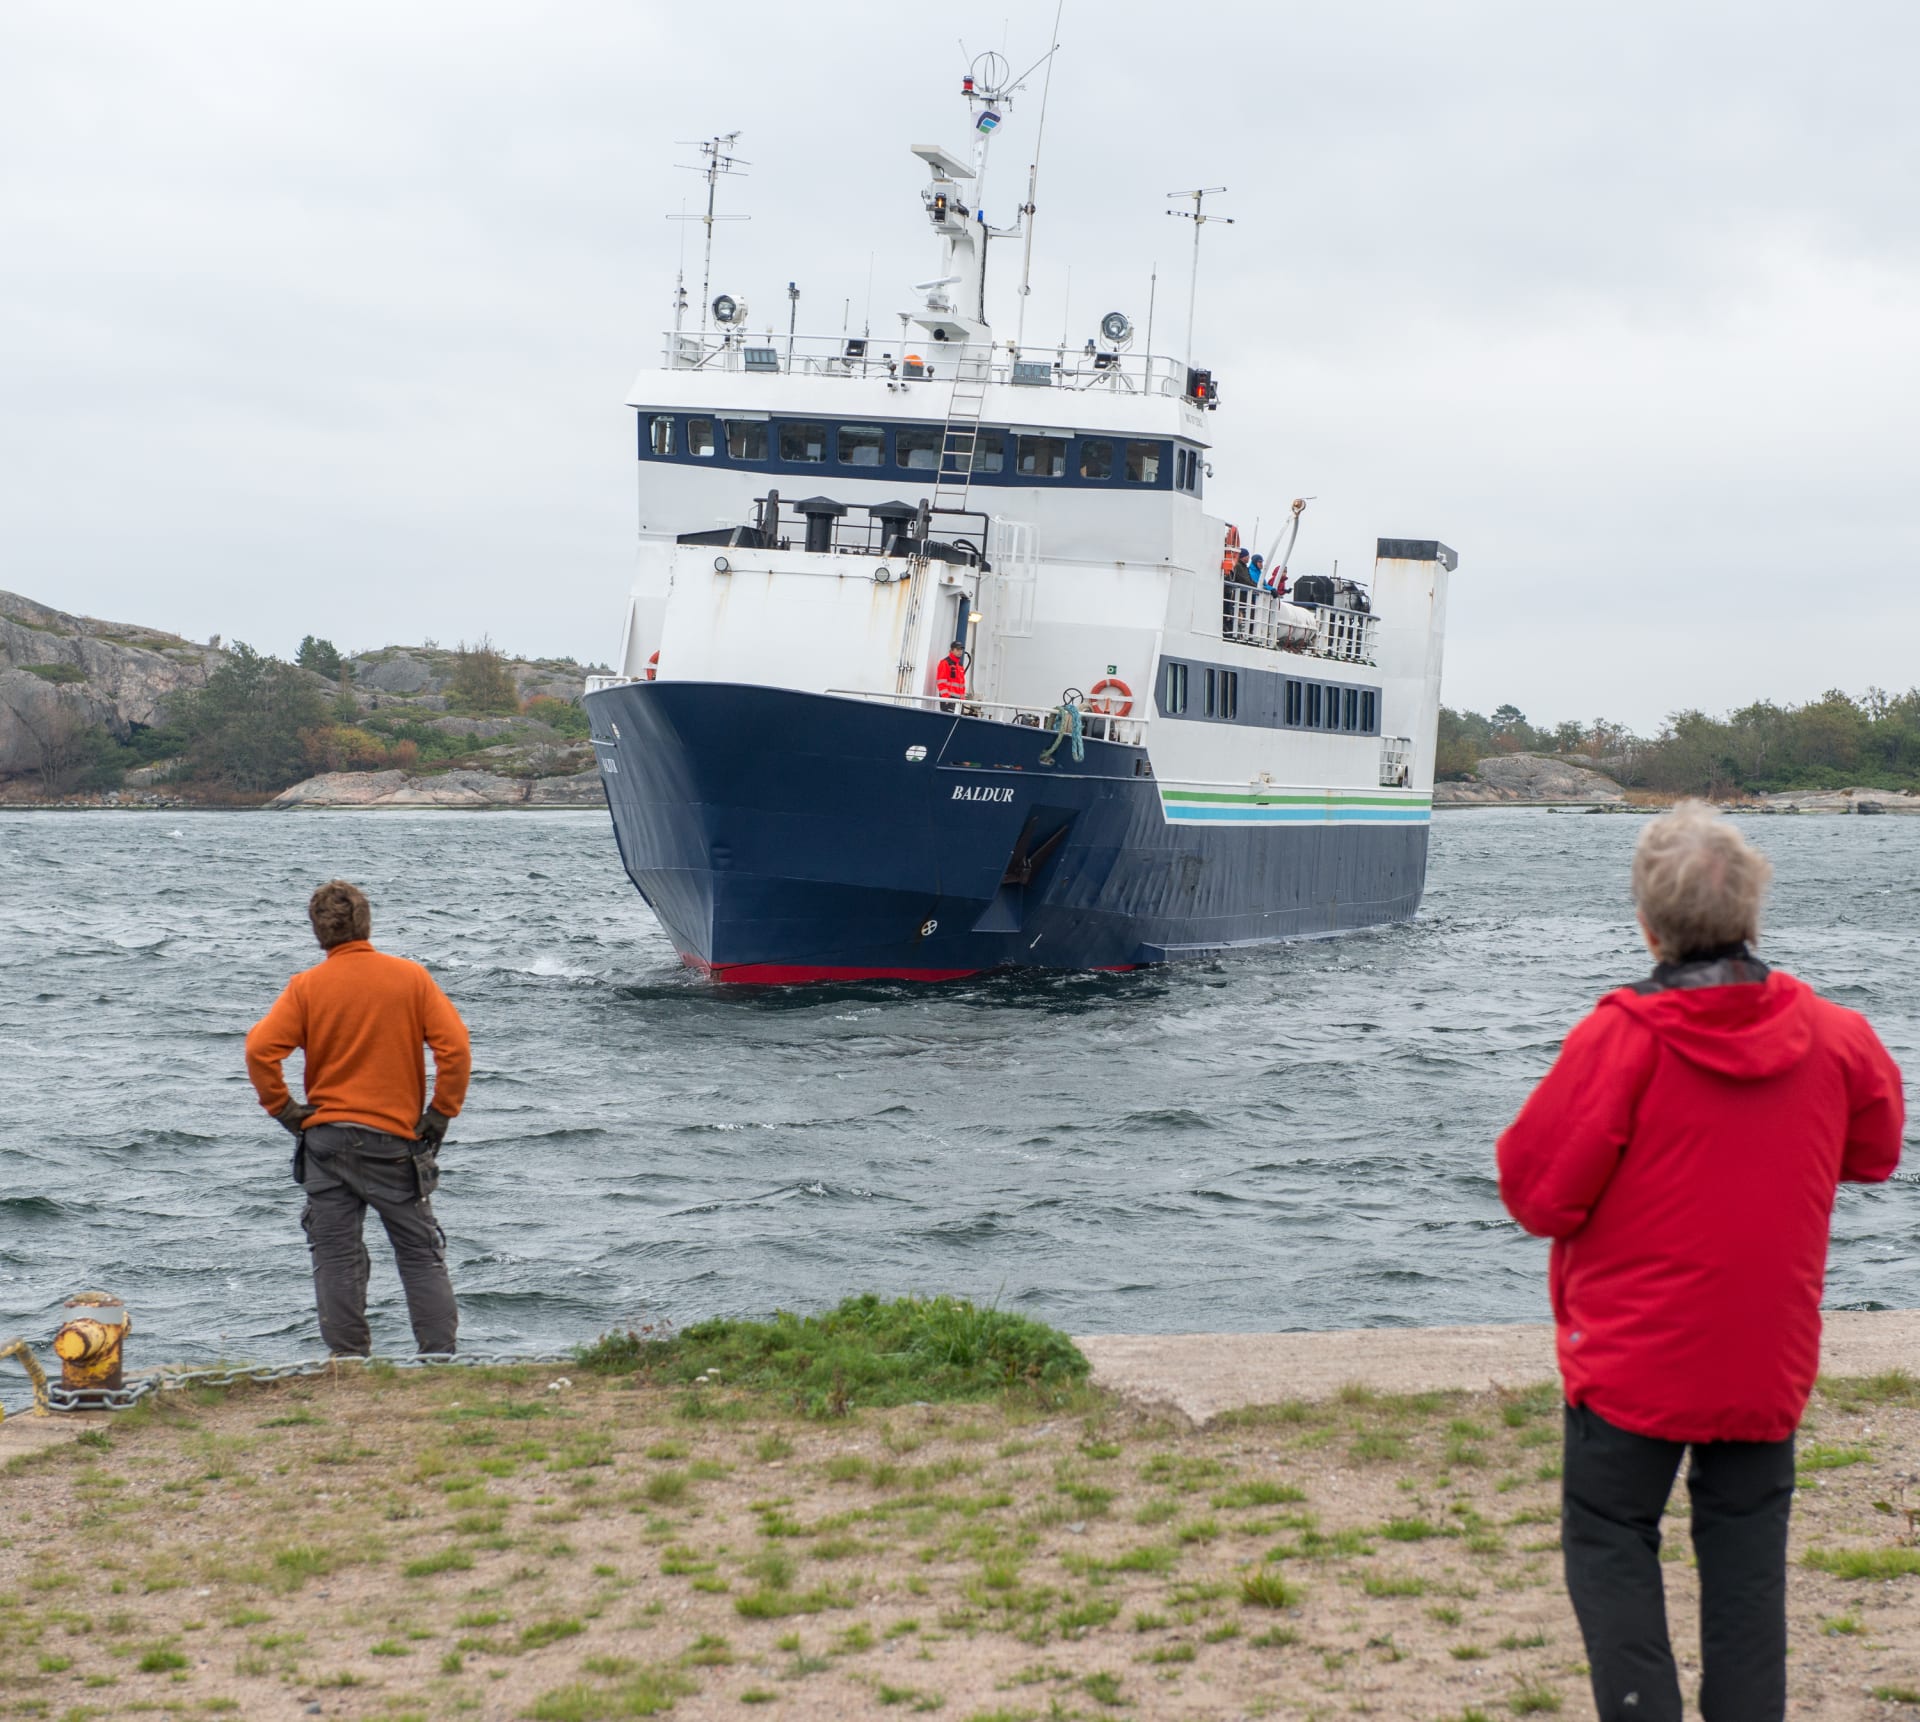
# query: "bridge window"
{"type": "Point", "coordinates": [990, 451]}
{"type": "Point", "coordinates": [747, 439]}
{"type": "Point", "coordinates": [1175, 699]}
{"type": "Point", "coordinates": [862, 445]}
{"type": "Point", "coordinates": [1043, 457]}
{"type": "Point", "coordinates": [1143, 462]}
{"type": "Point", "coordinates": [660, 437]}
{"type": "Point", "coordinates": [700, 438]}
{"type": "Point", "coordinates": [803, 443]}
{"type": "Point", "coordinates": [917, 447]}
{"type": "Point", "coordinates": [1096, 459]}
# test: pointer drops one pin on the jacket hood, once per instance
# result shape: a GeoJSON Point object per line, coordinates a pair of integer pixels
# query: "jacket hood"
{"type": "Point", "coordinates": [1746, 1030]}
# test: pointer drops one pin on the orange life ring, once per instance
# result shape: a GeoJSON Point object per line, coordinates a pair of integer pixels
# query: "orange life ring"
{"type": "Point", "coordinates": [653, 666]}
{"type": "Point", "coordinates": [1101, 700]}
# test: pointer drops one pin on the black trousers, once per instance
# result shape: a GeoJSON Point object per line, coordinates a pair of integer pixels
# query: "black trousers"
{"type": "Point", "coordinates": [1613, 1491]}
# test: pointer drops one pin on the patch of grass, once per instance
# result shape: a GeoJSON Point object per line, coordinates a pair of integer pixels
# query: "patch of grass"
{"type": "Point", "coordinates": [55, 1664]}
{"type": "Point", "coordinates": [1377, 1447]}
{"type": "Point", "coordinates": [1258, 1493]}
{"type": "Point", "coordinates": [645, 1693]}
{"type": "Point", "coordinates": [1842, 1626]}
{"type": "Point", "coordinates": [1524, 1641]}
{"type": "Point", "coordinates": [771, 1447]}
{"type": "Point", "coordinates": [1102, 1688]}
{"type": "Point", "coordinates": [1393, 1584]}
{"type": "Point", "coordinates": [549, 1632]}
{"type": "Point", "coordinates": [389, 1647]}
{"type": "Point", "coordinates": [1897, 1694]}
{"type": "Point", "coordinates": [1265, 1588]}
{"type": "Point", "coordinates": [1892, 1387]}
{"type": "Point", "coordinates": [1822, 1458]}
{"type": "Point", "coordinates": [665, 1450]}
{"type": "Point", "coordinates": [1865, 1563]}
{"type": "Point", "coordinates": [869, 1351]}
{"type": "Point", "coordinates": [1534, 1699]}
{"type": "Point", "coordinates": [298, 1562]}
{"type": "Point", "coordinates": [446, 1561]}
{"type": "Point", "coordinates": [709, 1650]}
{"type": "Point", "coordinates": [161, 1660]}
{"type": "Point", "coordinates": [665, 1488]}
{"type": "Point", "coordinates": [1409, 1530]}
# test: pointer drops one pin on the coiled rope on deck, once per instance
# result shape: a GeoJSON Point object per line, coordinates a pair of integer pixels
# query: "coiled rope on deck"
{"type": "Point", "coordinates": [1066, 725]}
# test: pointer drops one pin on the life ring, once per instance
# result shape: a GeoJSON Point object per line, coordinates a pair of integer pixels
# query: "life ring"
{"type": "Point", "coordinates": [1101, 698]}
{"type": "Point", "coordinates": [653, 666]}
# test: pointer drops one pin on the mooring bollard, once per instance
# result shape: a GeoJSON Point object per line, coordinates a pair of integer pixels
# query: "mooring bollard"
{"type": "Point", "coordinates": [89, 1346]}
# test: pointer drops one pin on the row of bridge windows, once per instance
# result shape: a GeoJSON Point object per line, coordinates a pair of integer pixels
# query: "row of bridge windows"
{"type": "Point", "coordinates": [1263, 697]}
{"type": "Point", "coordinates": [1003, 456]}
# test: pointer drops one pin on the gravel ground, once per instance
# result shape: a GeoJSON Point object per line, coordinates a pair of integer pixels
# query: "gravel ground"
{"type": "Point", "coordinates": [525, 1544]}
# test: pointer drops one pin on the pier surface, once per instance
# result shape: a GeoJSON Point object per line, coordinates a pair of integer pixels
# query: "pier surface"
{"type": "Point", "coordinates": [1204, 1374]}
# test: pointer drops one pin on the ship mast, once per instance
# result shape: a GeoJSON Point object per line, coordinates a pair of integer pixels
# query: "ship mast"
{"type": "Point", "coordinates": [1199, 217]}
{"type": "Point", "coordinates": [720, 160]}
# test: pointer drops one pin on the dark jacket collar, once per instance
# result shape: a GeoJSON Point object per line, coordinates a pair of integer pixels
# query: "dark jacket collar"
{"type": "Point", "coordinates": [1723, 966]}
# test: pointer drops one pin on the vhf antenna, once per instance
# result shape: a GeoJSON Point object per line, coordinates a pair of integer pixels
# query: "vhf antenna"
{"type": "Point", "coordinates": [1199, 217]}
{"type": "Point", "coordinates": [720, 159]}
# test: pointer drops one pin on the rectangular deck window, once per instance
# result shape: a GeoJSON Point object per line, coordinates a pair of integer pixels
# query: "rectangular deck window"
{"type": "Point", "coordinates": [1294, 691]}
{"type": "Point", "coordinates": [660, 434]}
{"type": "Point", "coordinates": [917, 447]}
{"type": "Point", "coordinates": [1333, 708]}
{"type": "Point", "coordinates": [806, 444]}
{"type": "Point", "coordinates": [1229, 696]}
{"type": "Point", "coordinates": [1143, 462]}
{"type": "Point", "coordinates": [862, 445]}
{"type": "Point", "coordinates": [747, 439]}
{"type": "Point", "coordinates": [1367, 719]}
{"type": "Point", "coordinates": [1043, 457]}
{"type": "Point", "coordinates": [990, 451]}
{"type": "Point", "coordinates": [1209, 677]}
{"type": "Point", "coordinates": [1176, 689]}
{"type": "Point", "coordinates": [700, 438]}
{"type": "Point", "coordinates": [1096, 459]}
{"type": "Point", "coordinates": [1313, 705]}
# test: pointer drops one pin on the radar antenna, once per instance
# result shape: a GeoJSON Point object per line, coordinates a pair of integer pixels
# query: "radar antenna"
{"type": "Point", "coordinates": [1199, 217]}
{"type": "Point", "coordinates": [720, 159]}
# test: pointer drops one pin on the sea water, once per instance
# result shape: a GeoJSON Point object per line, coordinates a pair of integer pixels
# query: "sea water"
{"type": "Point", "coordinates": [1294, 1138]}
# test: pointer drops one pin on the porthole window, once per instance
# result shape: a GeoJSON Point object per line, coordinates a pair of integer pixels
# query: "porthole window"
{"type": "Point", "coordinates": [660, 437]}
{"type": "Point", "coordinates": [862, 445]}
{"type": "Point", "coordinates": [1096, 458]}
{"type": "Point", "coordinates": [803, 443]}
{"type": "Point", "coordinates": [1043, 457]}
{"type": "Point", "coordinates": [1143, 462]}
{"type": "Point", "coordinates": [700, 438]}
{"type": "Point", "coordinates": [746, 439]}
{"type": "Point", "coordinates": [917, 447]}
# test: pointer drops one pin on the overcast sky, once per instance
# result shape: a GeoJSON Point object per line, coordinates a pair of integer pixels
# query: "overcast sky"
{"type": "Point", "coordinates": [320, 318]}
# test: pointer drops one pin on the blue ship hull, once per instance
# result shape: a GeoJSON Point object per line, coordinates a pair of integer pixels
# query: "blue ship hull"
{"type": "Point", "coordinates": [786, 836]}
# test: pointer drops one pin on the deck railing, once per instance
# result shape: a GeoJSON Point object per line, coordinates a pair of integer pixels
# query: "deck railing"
{"type": "Point", "coordinates": [1253, 616]}
{"type": "Point", "coordinates": [917, 357]}
{"type": "Point", "coordinates": [1396, 760]}
{"type": "Point", "coordinates": [1095, 726]}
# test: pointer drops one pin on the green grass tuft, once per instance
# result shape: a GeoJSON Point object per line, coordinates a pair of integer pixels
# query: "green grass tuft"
{"type": "Point", "coordinates": [868, 1351]}
{"type": "Point", "coordinates": [1865, 1563]}
{"type": "Point", "coordinates": [1265, 1588]}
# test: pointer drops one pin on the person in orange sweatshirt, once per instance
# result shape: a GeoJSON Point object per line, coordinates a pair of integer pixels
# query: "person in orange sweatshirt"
{"type": "Point", "coordinates": [367, 1134]}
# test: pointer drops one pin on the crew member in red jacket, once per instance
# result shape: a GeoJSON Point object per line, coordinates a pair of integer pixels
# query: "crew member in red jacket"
{"type": "Point", "coordinates": [1683, 1154]}
{"type": "Point", "coordinates": [950, 675]}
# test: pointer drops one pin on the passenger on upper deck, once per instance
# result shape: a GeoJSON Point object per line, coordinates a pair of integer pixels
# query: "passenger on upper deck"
{"type": "Point", "coordinates": [1257, 570]}
{"type": "Point", "coordinates": [1277, 583]}
{"type": "Point", "coordinates": [950, 676]}
{"type": "Point", "coordinates": [1241, 573]}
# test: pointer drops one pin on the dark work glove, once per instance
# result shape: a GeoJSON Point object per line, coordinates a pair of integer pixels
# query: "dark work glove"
{"type": "Point", "coordinates": [294, 1116]}
{"type": "Point", "coordinates": [432, 1128]}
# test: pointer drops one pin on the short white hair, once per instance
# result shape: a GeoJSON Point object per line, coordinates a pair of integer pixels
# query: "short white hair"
{"type": "Point", "coordinates": [1697, 882]}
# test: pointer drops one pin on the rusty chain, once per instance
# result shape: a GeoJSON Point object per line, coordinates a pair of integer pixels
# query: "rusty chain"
{"type": "Point", "coordinates": [235, 1375]}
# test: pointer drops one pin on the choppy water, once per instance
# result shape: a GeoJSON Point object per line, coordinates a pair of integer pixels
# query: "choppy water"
{"type": "Point", "coordinates": [1301, 1138]}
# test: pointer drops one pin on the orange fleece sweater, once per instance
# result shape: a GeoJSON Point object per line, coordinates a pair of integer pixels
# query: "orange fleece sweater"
{"type": "Point", "coordinates": [362, 1017]}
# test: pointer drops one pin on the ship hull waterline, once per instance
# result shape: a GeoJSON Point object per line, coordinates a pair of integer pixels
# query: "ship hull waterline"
{"type": "Point", "coordinates": [785, 837]}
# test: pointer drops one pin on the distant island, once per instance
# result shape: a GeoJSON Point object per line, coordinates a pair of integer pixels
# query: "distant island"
{"type": "Point", "coordinates": [108, 713]}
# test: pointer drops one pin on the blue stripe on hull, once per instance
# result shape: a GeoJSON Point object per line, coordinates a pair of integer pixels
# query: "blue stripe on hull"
{"type": "Point", "coordinates": [790, 831]}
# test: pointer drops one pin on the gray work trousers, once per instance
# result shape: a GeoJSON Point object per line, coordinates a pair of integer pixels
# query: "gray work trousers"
{"type": "Point", "coordinates": [350, 1168]}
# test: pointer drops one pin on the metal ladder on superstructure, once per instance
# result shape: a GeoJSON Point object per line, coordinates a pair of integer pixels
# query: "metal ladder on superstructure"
{"type": "Point", "coordinates": [962, 433]}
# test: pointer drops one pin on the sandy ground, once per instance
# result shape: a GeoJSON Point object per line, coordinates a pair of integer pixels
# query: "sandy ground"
{"type": "Point", "coordinates": [1202, 1374]}
{"type": "Point", "coordinates": [527, 1544]}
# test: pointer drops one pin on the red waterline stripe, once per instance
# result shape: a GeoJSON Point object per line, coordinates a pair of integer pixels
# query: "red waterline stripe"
{"type": "Point", "coordinates": [790, 974]}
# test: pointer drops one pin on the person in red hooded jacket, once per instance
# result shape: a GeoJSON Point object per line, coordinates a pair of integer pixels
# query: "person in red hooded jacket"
{"type": "Point", "coordinates": [1683, 1154]}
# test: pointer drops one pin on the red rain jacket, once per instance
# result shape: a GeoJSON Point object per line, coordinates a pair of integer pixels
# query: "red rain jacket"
{"type": "Point", "coordinates": [950, 677]}
{"type": "Point", "coordinates": [1682, 1153]}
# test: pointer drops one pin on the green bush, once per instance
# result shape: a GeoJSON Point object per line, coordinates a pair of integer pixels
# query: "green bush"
{"type": "Point", "coordinates": [320, 656]}
{"type": "Point", "coordinates": [247, 728]}
{"type": "Point", "coordinates": [481, 681]}
{"type": "Point", "coordinates": [867, 1351]}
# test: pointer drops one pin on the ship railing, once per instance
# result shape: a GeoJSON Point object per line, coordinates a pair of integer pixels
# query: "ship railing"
{"type": "Point", "coordinates": [1094, 726]}
{"type": "Point", "coordinates": [1396, 761]}
{"type": "Point", "coordinates": [1253, 616]}
{"type": "Point", "coordinates": [921, 359]}
{"type": "Point", "coordinates": [595, 684]}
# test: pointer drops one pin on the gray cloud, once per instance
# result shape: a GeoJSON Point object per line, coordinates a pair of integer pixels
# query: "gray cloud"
{"type": "Point", "coordinates": [322, 320]}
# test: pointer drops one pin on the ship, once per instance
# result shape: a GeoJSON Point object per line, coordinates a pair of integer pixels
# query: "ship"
{"type": "Point", "coordinates": [935, 662]}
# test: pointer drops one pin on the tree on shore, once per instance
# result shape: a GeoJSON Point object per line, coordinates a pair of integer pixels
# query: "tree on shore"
{"type": "Point", "coordinates": [245, 729]}
{"type": "Point", "coordinates": [481, 681]}
{"type": "Point", "coordinates": [320, 656]}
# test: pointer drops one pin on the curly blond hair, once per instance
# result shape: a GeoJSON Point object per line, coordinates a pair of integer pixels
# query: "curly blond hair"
{"type": "Point", "coordinates": [1697, 882]}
